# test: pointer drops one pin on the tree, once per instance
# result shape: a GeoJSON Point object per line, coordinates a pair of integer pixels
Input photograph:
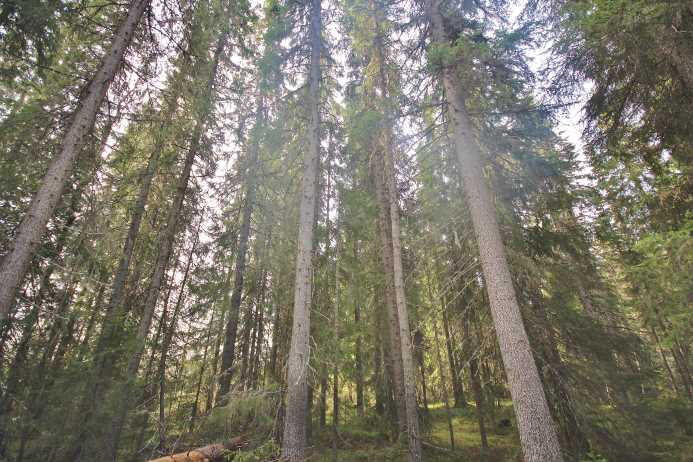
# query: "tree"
{"type": "Point", "coordinates": [295, 441]}
{"type": "Point", "coordinates": [537, 431]}
{"type": "Point", "coordinates": [15, 264]}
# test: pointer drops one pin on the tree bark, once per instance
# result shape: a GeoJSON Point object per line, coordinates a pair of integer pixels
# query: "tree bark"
{"type": "Point", "coordinates": [164, 252]}
{"type": "Point", "coordinates": [393, 354]}
{"type": "Point", "coordinates": [537, 430]}
{"type": "Point", "coordinates": [446, 399]}
{"type": "Point", "coordinates": [335, 330]}
{"type": "Point", "coordinates": [153, 290]}
{"type": "Point", "coordinates": [112, 325]}
{"type": "Point", "coordinates": [360, 402]}
{"type": "Point", "coordinates": [210, 453]}
{"type": "Point", "coordinates": [476, 380]}
{"type": "Point", "coordinates": [295, 438]}
{"type": "Point", "coordinates": [406, 345]}
{"type": "Point", "coordinates": [168, 338]}
{"type": "Point", "coordinates": [33, 226]}
{"type": "Point", "coordinates": [227, 356]}
{"type": "Point", "coordinates": [200, 377]}
{"type": "Point", "coordinates": [455, 373]}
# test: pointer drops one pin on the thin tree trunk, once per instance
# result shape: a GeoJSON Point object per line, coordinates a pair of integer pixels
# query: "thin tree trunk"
{"type": "Point", "coordinates": [259, 331]}
{"type": "Point", "coordinates": [406, 346]}
{"type": "Point", "coordinates": [198, 387]}
{"type": "Point", "coordinates": [112, 322]}
{"type": "Point", "coordinates": [665, 361]}
{"type": "Point", "coordinates": [455, 373]}
{"type": "Point", "coordinates": [360, 402]}
{"type": "Point", "coordinates": [443, 379]}
{"type": "Point", "coordinates": [335, 330]}
{"type": "Point", "coordinates": [274, 351]}
{"type": "Point", "coordinates": [537, 430]}
{"type": "Point", "coordinates": [420, 361]}
{"type": "Point", "coordinates": [322, 403]}
{"type": "Point", "coordinates": [295, 439]}
{"type": "Point", "coordinates": [168, 338]}
{"type": "Point", "coordinates": [164, 252]}
{"type": "Point", "coordinates": [153, 290]}
{"type": "Point", "coordinates": [227, 356]}
{"type": "Point", "coordinates": [253, 342]}
{"type": "Point", "coordinates": [393, 356]}
{"type": "Point", "coordinates": [476, 382]}
{"type": "Point", "coordinates": [248, 323]}
{"type": "Point", "coordinates": [33, 226]}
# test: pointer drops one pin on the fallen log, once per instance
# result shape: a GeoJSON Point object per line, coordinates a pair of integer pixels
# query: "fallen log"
{"type": "Point", "coordinates": [210, 453]}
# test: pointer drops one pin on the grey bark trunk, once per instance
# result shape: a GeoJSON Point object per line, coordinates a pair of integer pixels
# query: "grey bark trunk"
{"type": "Point", "coordinates": [105, 354]}
{"type": "Point", "coordinates": [360, 401]}
{"type": "Point", "coordinates": [335, 330]}
{"type": "Point", "coordinates": [455, 374]}
{"type": "Point", "coordinates": [406, 345]}
{"type": "Point", "coordinates": [200, 377]}
{"type": "Point", "coordinates": [446, 400]}
{"type": "Point", "coordinates": [295, 437]}
{"type": "Point", "coordinates": [44, 203]}
{"type": "Point", "coordinates": [475, 378]}
{"type": "Point", "coordinates": [393, 354]}
{"type": "Point", "coordinates": [152, 297]}
{"type": "Point", "coordinates": [166, 344]}
{"type": "Point", "coordinates": [537, 430]}
{"type": "Point", "coordinates": [231, 330]}
{"type": "Point", "coordinates": [164, 253]}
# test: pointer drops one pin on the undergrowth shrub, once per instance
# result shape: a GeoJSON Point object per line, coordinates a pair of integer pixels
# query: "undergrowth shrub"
{"type": "Point", "coordinates": [251, 413]}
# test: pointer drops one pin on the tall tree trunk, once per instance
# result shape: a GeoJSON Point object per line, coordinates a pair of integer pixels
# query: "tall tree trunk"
{"type": "Point", "coordinates": [443, 378]}
{"type": "Point", "coordinates": [393, 354]}
{"type": "Point", "coordinates": [335, 330]}
{"type": "Point", "coordinates": [198, 388]}
{"type": "Point", "coordinates": [537, 430]}
{"type": "Point", "coordinates": [477, 391]}
{"type": "Point", "coordinates": [168, 338]}
{"type": "Point", "coordinates": [259, 329]}
{"type": "Point", "coordinates": [33, 226]}
{"type": "Point", "coordinates": [152, 295]}
{"type": "Point", "coordinates": [112, 323]}
{"type": "Point", "coordinates": [455, 373]}
{"type": "Point", "coordinates": [248, 323]}
{"type": "Point", "coordinates": [360, 402]}
{"type": "Point", "coordinates": [295, 438]}
{"type": "Point", "coordinates": [390, 187]}
{"type": "Point", "coordinates": [164, 252]}
{"type": "Point", "coordinates": [227, 356]}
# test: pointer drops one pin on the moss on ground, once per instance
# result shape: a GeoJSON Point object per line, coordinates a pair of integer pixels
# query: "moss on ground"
{"type": "Point", "coordinates": [368, 440]}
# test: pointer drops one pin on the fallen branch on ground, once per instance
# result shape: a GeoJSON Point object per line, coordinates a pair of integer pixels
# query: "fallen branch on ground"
{"type": "Point", "coordinates": [211, 453]}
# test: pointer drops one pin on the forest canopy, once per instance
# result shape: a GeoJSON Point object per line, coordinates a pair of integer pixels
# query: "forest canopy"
{"type": "Point", "coordinates": [357, 230]}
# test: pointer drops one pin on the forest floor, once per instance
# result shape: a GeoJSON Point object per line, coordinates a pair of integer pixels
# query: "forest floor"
{"type": "Point", "coordinates": [361, 440]}
{"type": "Point", "coordinates": [367, 441]}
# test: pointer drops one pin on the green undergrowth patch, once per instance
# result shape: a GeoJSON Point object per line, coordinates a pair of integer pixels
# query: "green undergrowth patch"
{"type": "Point", "coordinates": [368, 439]}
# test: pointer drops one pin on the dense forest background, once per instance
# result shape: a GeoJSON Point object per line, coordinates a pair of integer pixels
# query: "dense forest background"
{"type": "Point", "coordinates": [346, 230]}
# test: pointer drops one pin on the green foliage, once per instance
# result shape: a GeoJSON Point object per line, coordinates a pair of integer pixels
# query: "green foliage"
{"type": "Point", "coordinates": [269, 450]}
{"type": "Point", "coordinates": [662, 279]}
{"type": "Point", "coordinates": [252, 412]}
